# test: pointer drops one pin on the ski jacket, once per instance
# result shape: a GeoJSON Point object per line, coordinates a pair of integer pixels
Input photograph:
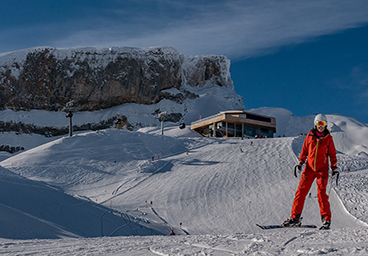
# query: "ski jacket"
{"type": "Point", "coordinates": [318, 150]}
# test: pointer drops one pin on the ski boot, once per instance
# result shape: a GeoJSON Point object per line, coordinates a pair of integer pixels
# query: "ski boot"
{"type": "Point", "coordinates": [325, 225]}
{"type": "Point", "coordinates": [291, 222]}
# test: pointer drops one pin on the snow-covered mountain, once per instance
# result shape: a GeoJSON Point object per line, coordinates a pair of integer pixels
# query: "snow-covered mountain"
{"type": "Point", "coordinates": [36, 126]}
{"type": "Point", "coordinates": [211, 191]}
{"type": "Point", "coordinates": [47, 78]}
{"type": "Point", "coordinates": [81, 192]}
{"type": "Point", "coordinates": [106, 85]}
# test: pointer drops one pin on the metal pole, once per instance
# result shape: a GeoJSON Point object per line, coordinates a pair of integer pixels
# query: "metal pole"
{"type": "Point", "coordinates": [226, 128]}
{"type": "Point", "coordinates": [70, 127]}
{"type": "Point", "coordinates": [69, 115]}
{"type": "Point", "coordinates": [162, 127]}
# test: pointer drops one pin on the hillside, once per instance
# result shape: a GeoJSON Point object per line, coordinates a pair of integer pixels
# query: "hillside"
{"type": "Point", "coordinates": [209, 185]}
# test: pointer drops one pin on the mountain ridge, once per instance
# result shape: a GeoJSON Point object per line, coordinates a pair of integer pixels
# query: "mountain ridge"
{"type": "Point", "coordinates": [94, 78]}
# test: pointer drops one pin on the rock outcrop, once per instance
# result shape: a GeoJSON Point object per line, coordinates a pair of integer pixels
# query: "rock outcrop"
{"type": "Point", "coordinates": [97, 78]}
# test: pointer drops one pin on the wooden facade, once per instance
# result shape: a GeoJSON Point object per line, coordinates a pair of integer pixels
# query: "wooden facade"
{"type": "Point", "coordinates": [236, 124]}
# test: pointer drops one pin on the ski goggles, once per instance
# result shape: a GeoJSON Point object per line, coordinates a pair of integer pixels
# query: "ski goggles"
{"type": "Point", "coordinates": [321, 123]}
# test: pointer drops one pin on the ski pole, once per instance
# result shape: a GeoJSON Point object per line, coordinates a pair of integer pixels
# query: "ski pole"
{"type": "Point", "coordinates": [296, 167]}
{"type": "Point", "coordinates": [335, 175]}
{"type": "Point", "coordinates": [337, 178]}
{"type": "Point", "coordinates": [329, 190]}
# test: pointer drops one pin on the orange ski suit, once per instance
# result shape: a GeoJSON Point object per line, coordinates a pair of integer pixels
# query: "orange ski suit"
{"type": "Point", "coordinates": [317, 151]}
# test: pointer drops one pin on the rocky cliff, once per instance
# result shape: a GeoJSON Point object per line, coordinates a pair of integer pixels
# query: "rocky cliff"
{"type": "Point", "coordinates": [98, 78]}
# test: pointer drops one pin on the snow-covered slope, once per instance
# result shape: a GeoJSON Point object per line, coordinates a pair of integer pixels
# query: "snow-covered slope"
{"type": "Point", "coordinates": [212, 99]}
{"type": "Point", "coordinates": [280, 242]}
{"type": "Point", "coordinates": [217, 188]}
{"type": "Point", "coordinates": [33, 209]}
{"type": "Point", "coordinates": [350, 135]}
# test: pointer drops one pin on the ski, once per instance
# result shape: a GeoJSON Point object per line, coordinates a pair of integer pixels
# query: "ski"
{"type": "Point", "coordinates": [280, 226]}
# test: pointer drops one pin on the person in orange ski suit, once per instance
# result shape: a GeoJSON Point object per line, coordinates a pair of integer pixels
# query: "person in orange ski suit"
{"type": "Point", "coordinates": [318, 148]}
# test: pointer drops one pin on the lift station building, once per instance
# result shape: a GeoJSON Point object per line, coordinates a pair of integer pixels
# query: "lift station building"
{"type": "Point", "coordinates": [236, 124]}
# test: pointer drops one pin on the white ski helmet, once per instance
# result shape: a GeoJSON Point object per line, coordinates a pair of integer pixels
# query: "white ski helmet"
{"type": "Point", "coordinates": [320, 117]}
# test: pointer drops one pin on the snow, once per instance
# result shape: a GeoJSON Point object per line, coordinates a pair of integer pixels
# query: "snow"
{"type": "Point", "coordinates": [192, 64]}
{"type": "Point", "coordinates": [91, 194]}
{"type": "Point", "coordinates": [100, 54]}
{"type": "Point", "coordinates": [99, 57]}
{"type": "Point", "coordinates": [215, 99]}
{"type": "Point", "coordinates": [281, 242]}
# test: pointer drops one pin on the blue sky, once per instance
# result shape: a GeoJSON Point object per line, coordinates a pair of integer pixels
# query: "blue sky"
{"type": "Point", "coordinates": [306, 56]}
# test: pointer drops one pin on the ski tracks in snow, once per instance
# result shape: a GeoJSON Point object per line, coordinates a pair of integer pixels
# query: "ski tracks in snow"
{"type": "Point", "coordinates": [271, 242]}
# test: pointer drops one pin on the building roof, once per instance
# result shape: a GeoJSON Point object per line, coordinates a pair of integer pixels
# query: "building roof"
{"type": "Point", "coordinates": [238, 117]}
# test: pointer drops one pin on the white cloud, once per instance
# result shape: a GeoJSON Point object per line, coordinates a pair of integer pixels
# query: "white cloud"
{"type": "Point", "coordinates": [238, 29]}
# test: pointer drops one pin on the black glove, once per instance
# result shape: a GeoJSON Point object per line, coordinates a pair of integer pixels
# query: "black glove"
{"type": "Point", "coordinates": [298, 168]}
{"type": "Point", "coordinates": [335, 175]}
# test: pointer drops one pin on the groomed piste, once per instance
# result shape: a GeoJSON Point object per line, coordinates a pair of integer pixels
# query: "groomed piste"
{"type": "Point", "coordinates": [120, 192]}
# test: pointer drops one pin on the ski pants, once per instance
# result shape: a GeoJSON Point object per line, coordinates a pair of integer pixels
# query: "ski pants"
{"type": "Point", "coordinates": [305, 184]}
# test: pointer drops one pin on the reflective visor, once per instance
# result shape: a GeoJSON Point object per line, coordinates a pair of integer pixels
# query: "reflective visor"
{"type": "Point", "coordinates": [320, 123]}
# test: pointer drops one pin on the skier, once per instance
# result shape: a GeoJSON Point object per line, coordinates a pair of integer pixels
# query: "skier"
{"type": "Point", "coordinates": [317, 147]}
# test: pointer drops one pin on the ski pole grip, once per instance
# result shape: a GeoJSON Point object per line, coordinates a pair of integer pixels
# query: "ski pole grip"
{"type": "Point", "coordinates": [296, 167]}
